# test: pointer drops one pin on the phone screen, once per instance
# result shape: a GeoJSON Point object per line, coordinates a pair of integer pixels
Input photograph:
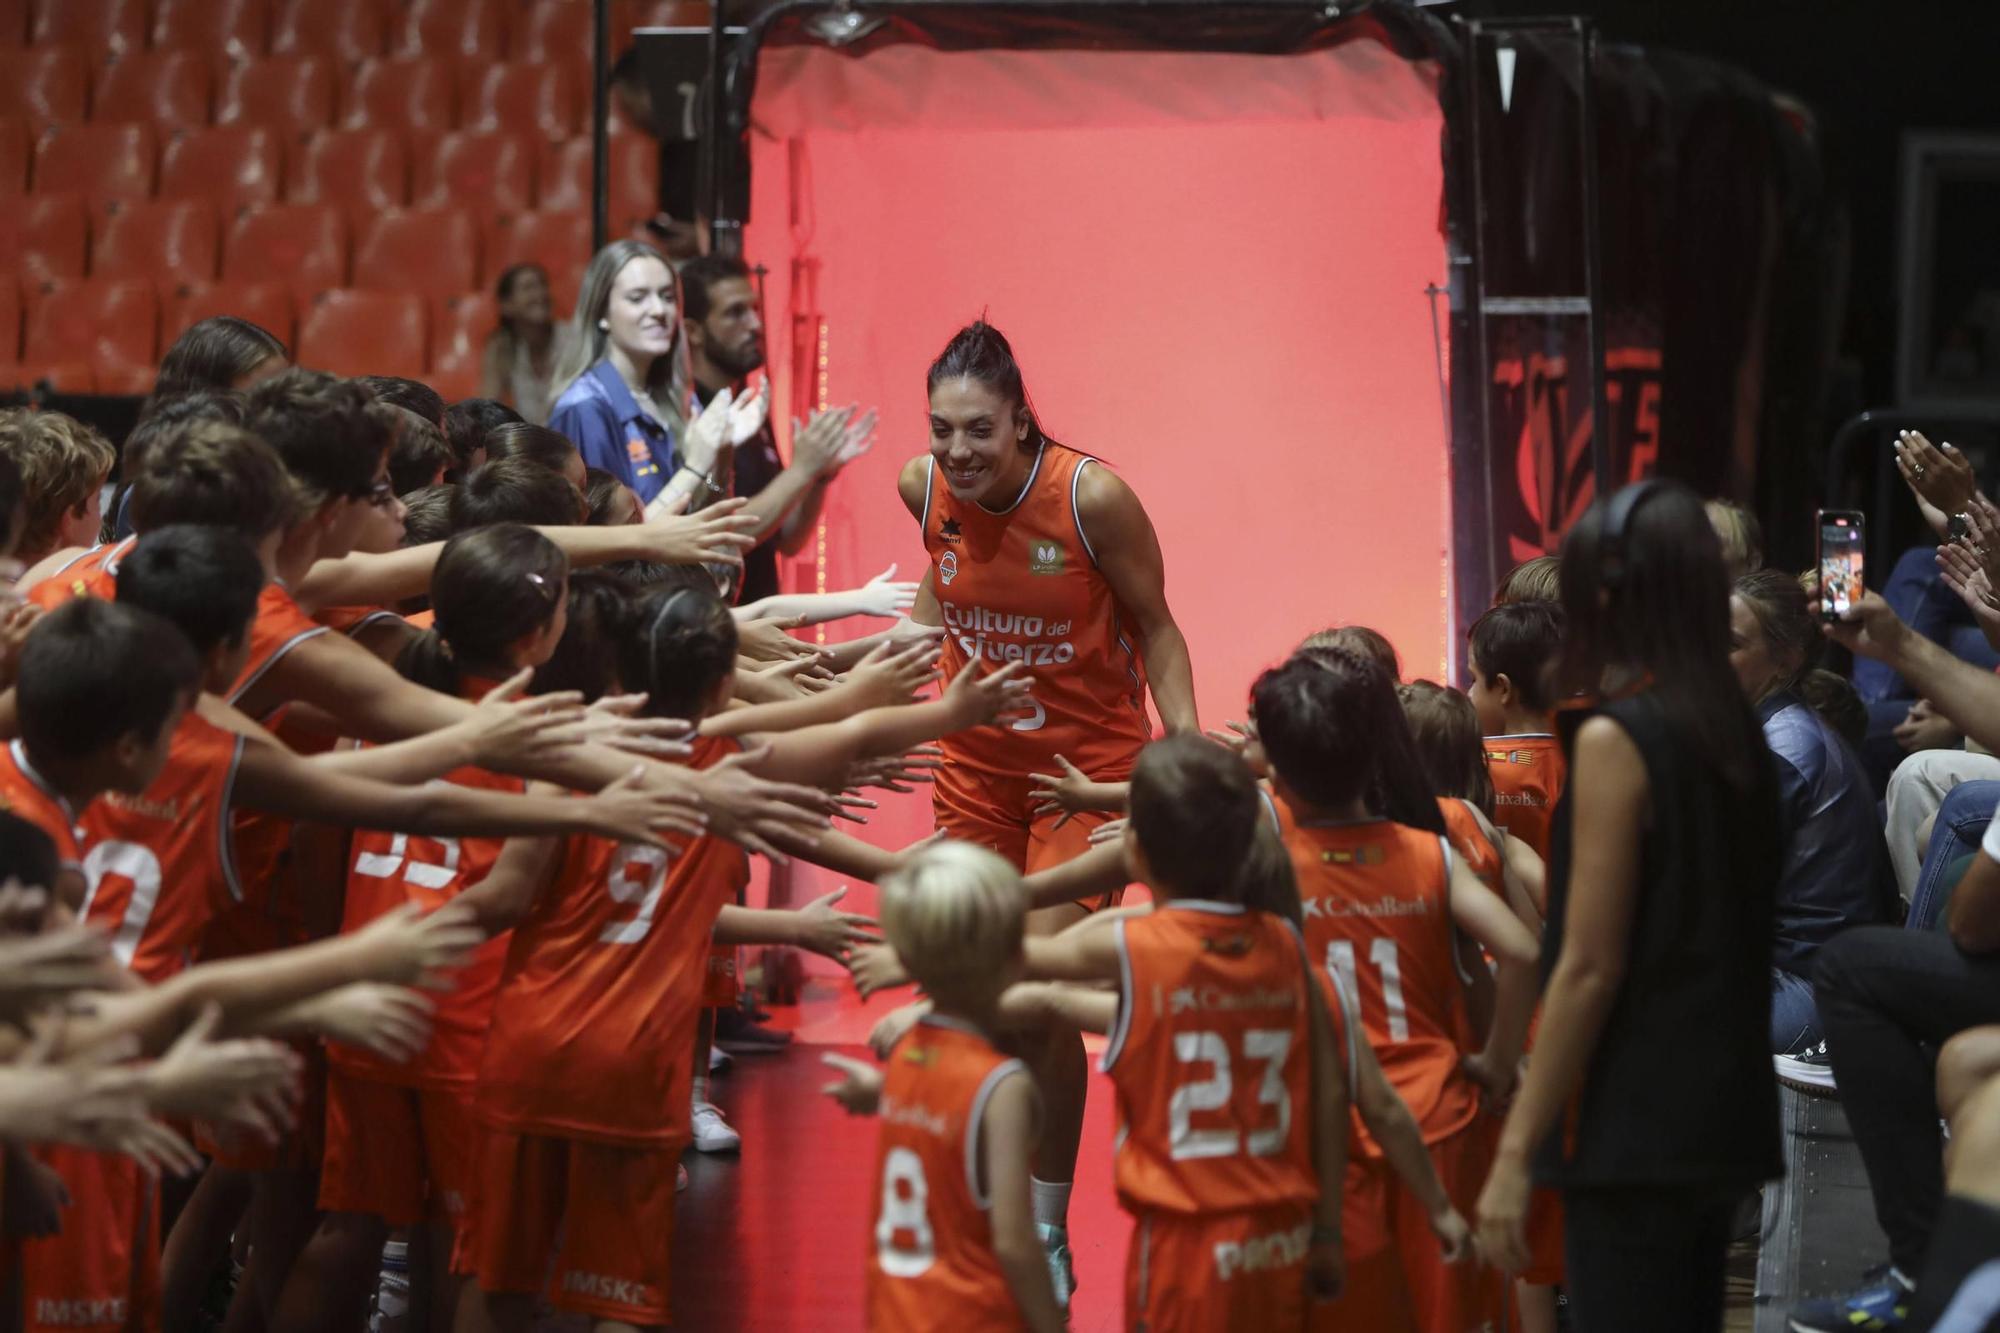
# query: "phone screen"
{"type": "Point", "coordinates": [1840, 544]}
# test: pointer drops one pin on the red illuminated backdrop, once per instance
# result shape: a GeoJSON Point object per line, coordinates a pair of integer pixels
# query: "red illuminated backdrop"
{"type": "Point", "coordinates": [1212, 268]}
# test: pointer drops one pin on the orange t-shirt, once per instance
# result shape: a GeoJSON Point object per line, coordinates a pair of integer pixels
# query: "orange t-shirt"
{"type": "Point", "coordinates": [930, 1253]}
{"type": "Point", "coordinates": [160, 865]}
{"type": "Point", "coordinates": [1528, 772]}
{"type": "Point", "coordinates": [25, 794]}
{"type": "Point", "coordinates": [94, 573]}
{"type": "Point", "coordinates": [387, 870]}
{"type": "Point", "coordinates": [594, 1025]}
{"type": "Point", "coordinates": [1211, 1057]}
{"type": "Point", "coordinates": [1378, 913]}
{"type": "Point", "coordinates": [1022, 585]}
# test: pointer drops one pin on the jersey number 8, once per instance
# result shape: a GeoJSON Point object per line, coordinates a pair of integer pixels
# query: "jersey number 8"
{"type": "Point", "coordinates": [905, 1213]}
{"type": "Point", "coordinates": [1186, 1143]}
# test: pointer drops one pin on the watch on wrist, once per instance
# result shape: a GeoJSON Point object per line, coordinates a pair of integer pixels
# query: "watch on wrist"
{"type": "Point", "coordinates": [1958, 527]}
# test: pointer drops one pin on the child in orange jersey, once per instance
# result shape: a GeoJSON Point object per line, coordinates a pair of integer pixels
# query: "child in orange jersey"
{"type": "Point", "coordinates": [584, 1087]}
{"type": "Point", "coordinates": [1513, 656]}
{"type": "Point", "coordinates": [1382, 892]}
{"type": "Point", "coordinates": [1445, 726]}
{"type": "Point", "coordinates": [953, 1247]}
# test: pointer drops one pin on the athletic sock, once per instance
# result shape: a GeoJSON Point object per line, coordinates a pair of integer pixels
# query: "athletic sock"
{"type": "Point", "coordinates": [1961, 1276]}
{"type": "Point", "coordinates": [700, 1088]}
{"type": "Point", "coordinates": [1051, 1201]}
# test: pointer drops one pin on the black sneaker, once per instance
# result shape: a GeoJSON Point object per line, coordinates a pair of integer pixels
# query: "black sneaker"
{"type": "Point", "coordinates": [1811, 1068]}
{"type": "Point", "coordinates": [1882, 1305]}
{"type": "Point", "coordinates": [735, 1033]}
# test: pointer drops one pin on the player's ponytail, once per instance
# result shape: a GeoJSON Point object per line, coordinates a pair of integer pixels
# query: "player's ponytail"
{"type": "Point", "coordinates": [1266, 882]}
{"type": "Point", "coordinates": [492, 588]}
{"type": "Point", "coordinates": [679, 644]}
{"type": "Point", "coordinates": [1445, 728]}
{"type": "Point", "coordinates": [982, 353]}
{"type": "Point", "coordinates": [586, 658]}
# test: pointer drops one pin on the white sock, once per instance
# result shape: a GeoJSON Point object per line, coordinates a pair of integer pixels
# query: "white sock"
{"type": "Point", "coordinates": [1051, 1201]}
{"type": "Point", "coordinates": [700, 1088]}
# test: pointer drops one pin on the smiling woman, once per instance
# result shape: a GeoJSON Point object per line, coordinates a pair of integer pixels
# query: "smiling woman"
{"type": "Point", "coordinates": [1039, 554]}
{"type": "Point", "coordinates": [624, 404]}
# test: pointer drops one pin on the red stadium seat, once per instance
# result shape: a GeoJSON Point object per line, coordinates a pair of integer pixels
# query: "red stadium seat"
{"type": "Point", "coordinates": [353, 332]}
{"type": "Point", "coordinates": [60, 376]}
{"type": "Point", "coordinates": [301, 245]}
{"type": "Point", "coordinates": [16, 147]}
{"type": "Point", "coordinates": [237, 166]}
{"type": "Point", "coordinates": [46, 84]}
{"type": "Point", "coordinates": [45, 236]}
{"type": "Point", "coordinates": [434, 254]}
{"type": "Point", "coordinates": [411, 94]}
{"type": "Point", "coordinates": [170, 241]}
{"type": "Point", "coordinates": [237, 29]}
{"type": "Point", "coordinates": [539, 99]}
{"type": "Point", "coordinates": [10, 318]}
{"type": "Point", "coordinates": [553, 30]}
{"type": "Point", "coordinates": [559, 242]}
{"type": "Point", "coordinates": [265, 304]}
{"type": "Point", "coordinates": [102, 161]}
{"type": "Point", "coordinates": [343, 29]}
{"type": "Point", "coordinates": [357, 169]}
{"type": "Point", "coordinates": [635, 178]}
{"type": "Point", "coordinates": [290, 94]}
{"type": "Point", "coordinates": [475, 28]}
{"type": "Point", "coordinates": [107, 29]}
{"type": "Point", "coordinates": [458, 343]}
{"type": "Point", "coordinates": [467, 169]}
{"type": "Point", "coordinates": [164, 88]}
{"type": "Point", "coordinates": [113, 323]}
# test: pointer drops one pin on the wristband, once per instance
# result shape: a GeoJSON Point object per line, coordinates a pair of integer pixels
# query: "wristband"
{"type": "Point", "coordinates": [701, 477]}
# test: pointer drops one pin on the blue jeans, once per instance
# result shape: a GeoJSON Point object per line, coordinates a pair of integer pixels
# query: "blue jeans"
{"type": "Point", "coordinates": [1794, 1016]}
{"type": "Point", "coordinates": [1956, 832]}
{"type": "Point", "coordinates": [1920, 598]}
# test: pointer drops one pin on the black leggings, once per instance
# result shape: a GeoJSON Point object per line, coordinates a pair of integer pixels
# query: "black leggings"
{"type": "Point", "coordinates": [1646, 1259]}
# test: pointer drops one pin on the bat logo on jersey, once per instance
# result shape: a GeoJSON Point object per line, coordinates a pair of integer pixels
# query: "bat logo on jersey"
{"type": "Point", "coordinates": [1045, 558]}
{"type": "Point", "coordinates": [948, 568]}
{"type": "Point", "coordinates": [948, 530]}
{"type": "Point", "coordinates": [1368, 854]}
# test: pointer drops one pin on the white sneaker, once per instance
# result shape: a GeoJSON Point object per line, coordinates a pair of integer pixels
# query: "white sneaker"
{"type": "Point", "coordinates": [719, 1059]}
{"type": "Point", "coordinates": [711, 1132]}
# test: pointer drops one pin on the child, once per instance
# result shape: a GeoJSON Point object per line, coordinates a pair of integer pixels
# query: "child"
{"type": "Point", "coordinates": [954, 1246]}
{"type": "Point", "coordinates": [63, 465]}
{"type": "Point", "coordinates": [1513, 653]}
{"type": "Point", "coordinates": [1381, 892]}
{"type": "Point", "coordinates": [584, 1087]}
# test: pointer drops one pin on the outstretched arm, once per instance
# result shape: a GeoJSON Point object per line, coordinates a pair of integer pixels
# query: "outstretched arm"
{"type": "Point", "coordinates": [1128, 554]}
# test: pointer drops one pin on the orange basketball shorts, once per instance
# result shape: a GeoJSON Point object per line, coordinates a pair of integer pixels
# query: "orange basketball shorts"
{"type": "Point", "coordinates": [402, 1154]}
{"type": "Point", "coordinates": [1190, 1273]}
{"type": "Point", "coordinates": [994, 810]}
{"type": "Point", "coordinates": [605, 1214]}
{"type": "Point", "coordinates": [102, 1270]}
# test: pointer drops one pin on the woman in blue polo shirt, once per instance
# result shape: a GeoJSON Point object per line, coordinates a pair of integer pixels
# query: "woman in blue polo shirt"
{"type": "Point", "coordinates": [625, 400]}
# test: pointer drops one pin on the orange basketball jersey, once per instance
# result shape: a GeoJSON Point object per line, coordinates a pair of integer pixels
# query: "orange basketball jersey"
{"type": "Point", "coordinates": [594, 1024]}
{"type": "Point", "coordinates": [1469, 840]}
{"type": "Point", "coordinates": [25, 794]}
{"type": "Point", "coordinates": [386, 870]}
{"type": "Point", "coordinates": [930, 1254]}
{"type": "Point", "coordinates": [1377, 915]}
{"type": "Point", "coordinates": [280, 626]}
{"type": "Point", "coordinates": [94, 573]}
{"type": "Point", "coordinates": [1022, 585]}
{"type": "Point", "coordinates": [1212, 1059]}
{"type": "Point", "coordinates": [1528, 774]}
{"type": "Point", "coordinates": [160, 865]}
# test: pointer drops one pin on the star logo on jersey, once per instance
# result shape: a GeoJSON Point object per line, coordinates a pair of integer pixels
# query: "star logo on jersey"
{"type": "Point", "coordinates": [1045, 558]}
{"type": "Point", "coordinates": [948, 530]}
{"type": "Point", "coordinates": [948, 568]}
{"type": "Point", "coordinates": [1368, 854]}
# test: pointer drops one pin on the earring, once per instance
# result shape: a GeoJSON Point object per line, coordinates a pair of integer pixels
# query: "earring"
{"type": "Point", "coordinates": [604, 324]}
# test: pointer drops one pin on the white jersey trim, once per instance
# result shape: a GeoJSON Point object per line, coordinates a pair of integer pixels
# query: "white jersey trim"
{"type": "Point", "coordinates": [271, 661]}
{"type": "Point", "coordinates": [975, 1121]}
{"type": "Point", "coordinates": [232, 878]}
{"type": "Point", "coordinates": [930, 485]}
{"type": "Point", "coordinates": [1121, 1026]}
{"type": "Point", "coordinates": [1075, 514]}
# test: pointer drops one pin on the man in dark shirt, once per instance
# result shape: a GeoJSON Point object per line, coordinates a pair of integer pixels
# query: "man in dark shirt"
{"type": "Point", "coordinates": [725, 336]}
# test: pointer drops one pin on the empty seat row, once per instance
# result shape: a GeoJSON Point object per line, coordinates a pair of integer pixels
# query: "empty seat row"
{"type": "Point", "coordinates": [436, 254]}
{"type": "Point", "coordinates": [105, 335]}
{"type": "Point", "coordinates": [343, 29]}
{"type": "Point", "coordinates": [56, 85]}
{"type": "Point", "coordinates": [361, 170]}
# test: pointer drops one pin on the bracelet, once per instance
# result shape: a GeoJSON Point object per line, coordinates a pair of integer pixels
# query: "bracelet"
{"type": "Point", "coordinates": [702, 477]}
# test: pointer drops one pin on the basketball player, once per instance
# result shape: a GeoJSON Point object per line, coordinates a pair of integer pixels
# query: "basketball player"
{"type": "Point", "coordinates": [1039, 554]}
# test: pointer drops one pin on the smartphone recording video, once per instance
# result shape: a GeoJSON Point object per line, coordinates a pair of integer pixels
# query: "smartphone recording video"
{"type": "Point", "coordinates": [1840, 542]}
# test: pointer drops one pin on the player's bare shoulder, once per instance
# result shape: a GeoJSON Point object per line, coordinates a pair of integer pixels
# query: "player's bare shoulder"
{"type": "Point", "coordinates": [914, 483]}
